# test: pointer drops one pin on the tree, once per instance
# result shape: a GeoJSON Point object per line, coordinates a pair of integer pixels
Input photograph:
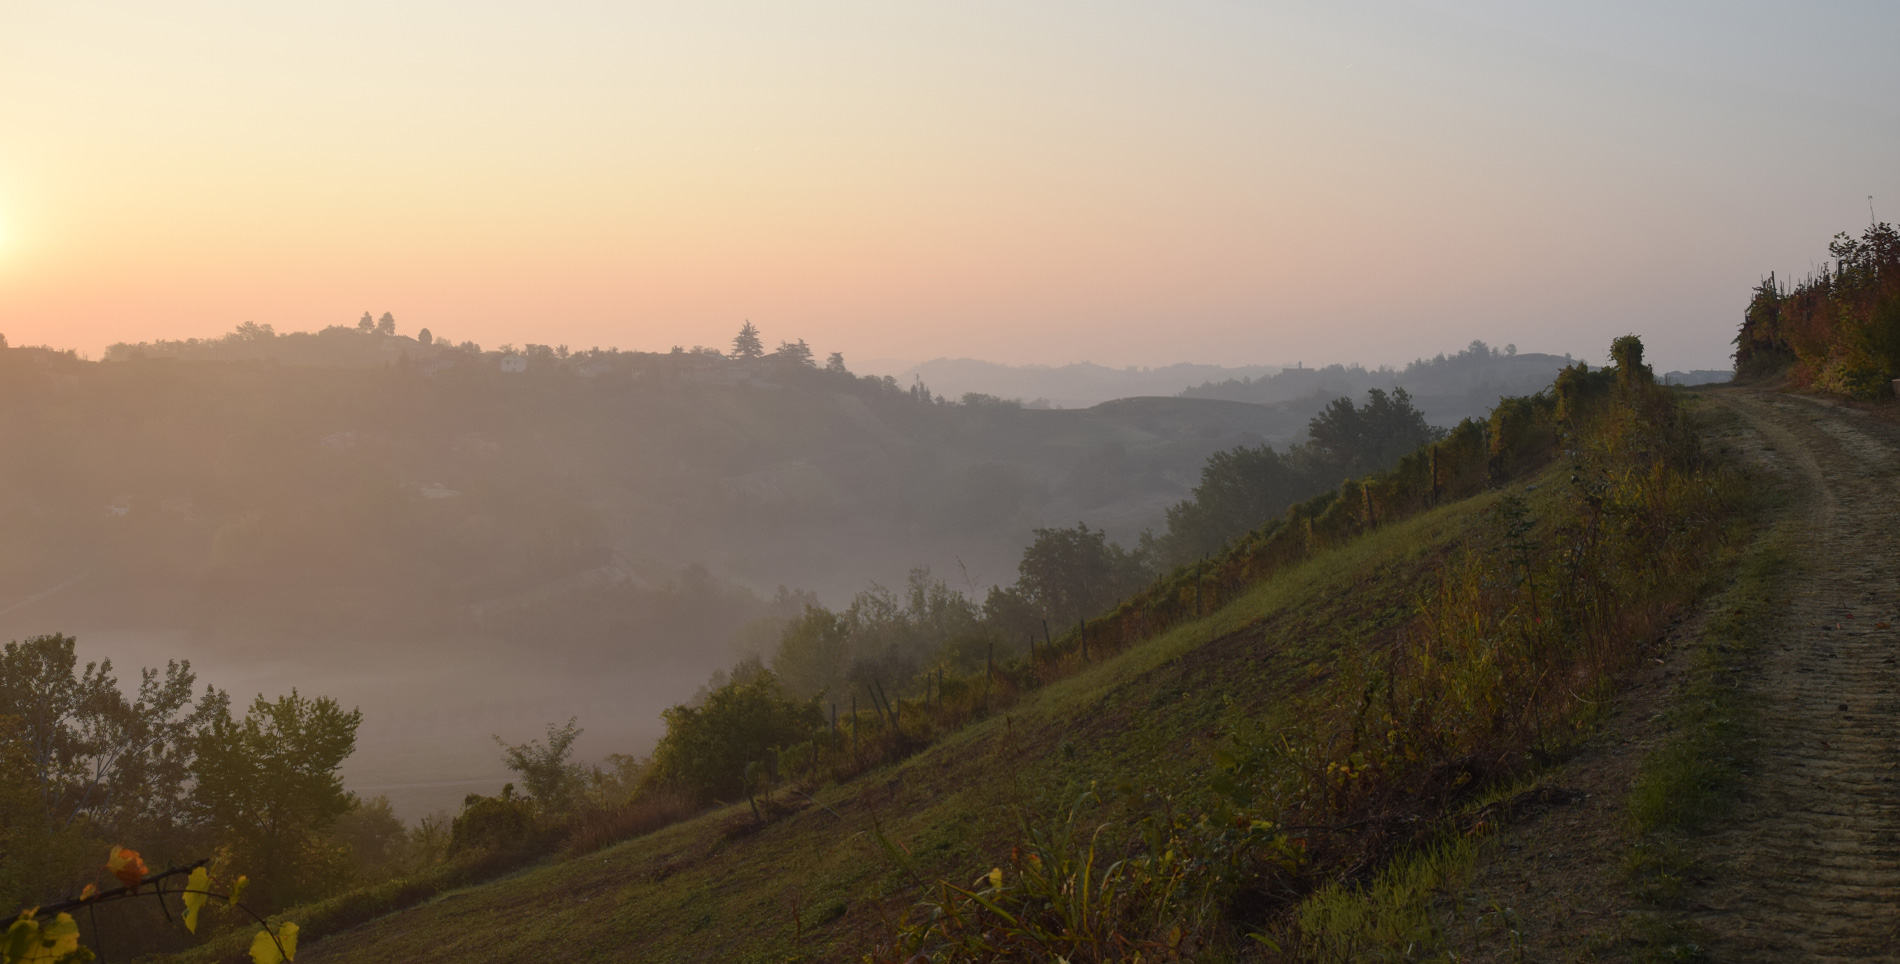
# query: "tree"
{"type": "Point", "coordinates": [118, 764]}
{"type": "Point", "coordinates": [814, 652]}
{"type": "Point", "coordinates": [1073, 574]}
{"type": "Point", "coordinates": [550, 779]}
{"type": "Point", "coordinates": [1627, 352]}
{"type": "Point", "coordinates": [1359, 440]}
{"type": "Point", "coordinates": [833, 364]}
{"type": "Point", "coordinates": [1241, 489]}
{"type": "Point", "coordinates": [268, 784]}
{"type": "Point", "coordinates": [32, 858]}
{"type": "Point", "coordinates": [795, 352]}
{"type": "Point", "coordinates": [386, 325]}
{"type": "Point", "coordinates": [746, 343]}
{"type": "Point", "coordinates": [424, 338]}
{"type": "Point", "coordinates": [366, 323]}
{"type": "Point", "coordinates": [374, 838]}
{"type": "Point", "coordinates": [707, 748]}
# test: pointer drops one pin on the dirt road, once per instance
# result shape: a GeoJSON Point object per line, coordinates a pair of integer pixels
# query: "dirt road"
{"type": "Point", "coordinates": [1809, 869]}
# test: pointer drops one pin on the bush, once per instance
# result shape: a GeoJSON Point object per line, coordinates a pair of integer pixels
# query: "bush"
{"type": "Point", "coordinates": [499, 823]}
{"type": "Point", "coordinates": [706, 749]}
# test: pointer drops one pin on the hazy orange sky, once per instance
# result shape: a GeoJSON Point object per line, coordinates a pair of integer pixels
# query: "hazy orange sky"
{"type": "Point", "coordinates": [1024, 182]}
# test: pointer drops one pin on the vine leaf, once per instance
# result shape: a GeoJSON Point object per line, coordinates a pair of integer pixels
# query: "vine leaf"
{"type": "Point", "coordinates": [54, 942]}
{"type": "Point", "coordinates": [126, 864]}
{"type": "Point", "coordinates": [196, 888]}
{"type": "Point", "coordinates": [264, 949]}
{"type": "Point", "coordinates": [237, 890]}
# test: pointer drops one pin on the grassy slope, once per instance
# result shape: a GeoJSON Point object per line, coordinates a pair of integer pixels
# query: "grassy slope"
{"type": "Point", "coordinates": [712, 889]}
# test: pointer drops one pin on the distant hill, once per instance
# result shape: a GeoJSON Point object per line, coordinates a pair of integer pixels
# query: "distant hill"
{"type": "Point", "coordinates": [1446, 388]}
{"type": "Point", "coordinates": [457, 495]}
{"type": "Point", "coordinates": [1060, 386]}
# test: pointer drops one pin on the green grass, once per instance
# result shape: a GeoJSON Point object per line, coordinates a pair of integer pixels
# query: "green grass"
{"type": "Point", "coordinates": [1401, 915]}
{"type": "Point", "coordinates": [815, 884]}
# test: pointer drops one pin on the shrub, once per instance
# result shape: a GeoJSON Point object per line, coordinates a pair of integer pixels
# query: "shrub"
{"type": "Point", "coordinates": [706, 749]}
{"type": "Point", "coordinates": [499, 823]}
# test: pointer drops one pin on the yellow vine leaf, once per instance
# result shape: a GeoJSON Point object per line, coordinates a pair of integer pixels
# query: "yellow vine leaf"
{"type": "Point", "coordinates": [30, 942]}
{"type": "Point", "coordinates": [264, 950]}
{"type": "Point", "coordinates": [237, 889]}
{"type": "Point", "coordinates": [196, 887]}
{"type": "Point", "coordinates": [21, 937]}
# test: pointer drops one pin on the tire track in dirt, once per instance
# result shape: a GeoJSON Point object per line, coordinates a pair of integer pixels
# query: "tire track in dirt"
{"type": "Point", "coordinates": [1809, 868]}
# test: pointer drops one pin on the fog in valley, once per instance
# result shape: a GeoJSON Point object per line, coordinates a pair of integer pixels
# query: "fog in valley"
{"type": "Point", "coordinates": [465, 542]}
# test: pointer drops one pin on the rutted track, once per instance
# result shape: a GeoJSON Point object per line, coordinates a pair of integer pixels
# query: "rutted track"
{"type": "Point", "coordinates": [1809, 870]}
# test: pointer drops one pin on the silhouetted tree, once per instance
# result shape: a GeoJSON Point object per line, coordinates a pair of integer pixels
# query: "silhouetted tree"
{"type": "Point", "coordinates": [386, 325]}
{"type": "Point", "coordinates": [796, 352]}
{"type": "Point", "coordinates": [366, 323]}
{"type": "Point", "coordinates": [833, 364]}
{"type": "Point", "coordinates": [1358, 440]}
{"type": "Point", "coordinates": [1241, 489]}
{"type": "Point", "coordinates": [746, 343]}
{"type": "Point", "coordinates": [424, 338]}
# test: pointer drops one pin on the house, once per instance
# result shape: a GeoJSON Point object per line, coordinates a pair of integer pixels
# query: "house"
{"type": "Point", "coordinates": [440, 364]}
{"type": "Point", "coordinates": [514, 363]}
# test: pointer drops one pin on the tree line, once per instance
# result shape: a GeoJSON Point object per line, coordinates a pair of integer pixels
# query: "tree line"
{"type": "Point", "coordinates": [182, 772]}
{"type": "Point", "coordinates": [1838, 329]}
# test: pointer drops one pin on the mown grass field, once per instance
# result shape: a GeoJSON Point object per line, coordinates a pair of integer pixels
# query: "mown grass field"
{"type": "Point", "coordinates": [815, 883]}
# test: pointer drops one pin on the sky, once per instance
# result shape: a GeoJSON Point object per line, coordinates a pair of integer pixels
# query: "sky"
{"type": "Point", "coordinates": [1024, 182]}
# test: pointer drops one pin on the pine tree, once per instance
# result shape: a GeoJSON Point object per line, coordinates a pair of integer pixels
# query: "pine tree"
{"type": "Point", "coordinates": [746, 343]}
{"type": "Point", "coordinates": [796, 352]}
{"type": "Point", "coordinates": [386, 324]}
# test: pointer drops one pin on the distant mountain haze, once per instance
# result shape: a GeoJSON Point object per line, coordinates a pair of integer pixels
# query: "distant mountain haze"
{"type": "Point", "coordinates": [1077, 385]}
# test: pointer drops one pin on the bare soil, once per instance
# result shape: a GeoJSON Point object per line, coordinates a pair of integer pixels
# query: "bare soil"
{"type": "Point", "coordinates": [1809, 869]}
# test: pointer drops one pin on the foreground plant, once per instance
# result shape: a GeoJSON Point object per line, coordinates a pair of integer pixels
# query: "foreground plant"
{"type": "Point", "coordinates": [50, 935]}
